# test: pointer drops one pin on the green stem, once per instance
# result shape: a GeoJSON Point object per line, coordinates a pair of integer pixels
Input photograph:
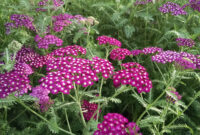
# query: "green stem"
{"type": "Point", "coordinates": [160, 73]}
{"type": "Point", "coordinates": [66, 116]}
{"type": "Point", "coordinates": [41, 117]}
{"type": "Point", "coordinates": [100, 89]}
{"type": "Point", "coordinates": [17, 116]}
{"type": "Point", "coordinates": [79, 105]}
{"type": "Point", "coordinates": [150, 105]}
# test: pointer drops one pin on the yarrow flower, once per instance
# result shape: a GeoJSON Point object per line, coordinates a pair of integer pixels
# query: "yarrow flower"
{"type": "Point", "coordinates": [73, 50]}
{"type": "Point", "coordinates": [63, 20]}
{"type": "Point", "coordinates": [119, 53]}
{"type": "Point", "coordinates": [186, 63]}
{"type": "Point", "coordinates": [23, 68]}
{"type": "Point", "coordinates": [152, 50]}
{"type": "Point", "coordinates": [166, 56]}
{"type": "Point", "coordinates": [136, 52]}
{"type": "Point", "coordinates": [42, 95]}
{"type": "Point", "coordinates": [102, 66]}
{"type": "Point", "coordinates": [48, 40]}
{"type": "Point", "coordinates": [135, 75]}
{"type": "Point", "coordinates": [89, 109]}
{"type": "Point", "coordinates": [108, 40]}
{"type": "Point", "coordinates": [147, 50]}
{"type": "Point", "coordinates": [195, 4]}
{"type": "Point", "coordinates": [185, 42]}
{"type": "Point", "coordinates": [20, 20]}
{"type": "Point", "coordinates": [116, 124]}
{"type": "Point", "coordinates": [142, 2]}
{"type": "Point", "coordinates": [65, 72]}
{"type": "Point", "coordinates": [28, 56]}
{"type": "Point", "coordinates": [172, 8]}
{"type": "Point", "coordinates": [58, 3]}
{"type": "Point", "coordinates": [14, 81]}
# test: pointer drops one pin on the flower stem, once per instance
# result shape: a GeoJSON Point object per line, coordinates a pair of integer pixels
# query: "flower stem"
{"type": "Point", "coordinates": [66, 116]}
{"type": "Point", "coordinates": [77, 99]}
{"type": "Point", "coordinates": [41, 117]}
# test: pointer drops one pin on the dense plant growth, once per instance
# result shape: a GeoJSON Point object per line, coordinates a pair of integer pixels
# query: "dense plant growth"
{"type": "Point", "coordinates": [108, 67]}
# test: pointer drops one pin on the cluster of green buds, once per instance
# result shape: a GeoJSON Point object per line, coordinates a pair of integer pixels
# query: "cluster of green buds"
{"type": "Point", "coordinates": [14, 46]}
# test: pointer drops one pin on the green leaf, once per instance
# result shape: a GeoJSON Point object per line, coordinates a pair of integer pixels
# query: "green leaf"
{"type": "Point", "coordinates": [149, 120]}
{"type": "Point", "coordinates": [128, 30]}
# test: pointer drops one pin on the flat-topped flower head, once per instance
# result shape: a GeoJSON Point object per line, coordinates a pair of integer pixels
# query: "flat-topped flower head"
{"type": "Point", "coordinates": [136, 52]}
{"type": "Point", "coordinates": [103, 40]}
{"type": "Point", "coordinates": [63, 20]}
{"type": "Point", "coordinates": [23, 68]}
{"type": "Point", "coordinates": [43, 98]}
{"type": "Point", "coordinates": [185, 63]}
{"type": "Point", "coordinates": [28, 56]}
{"type": "Point", "coordinates": [89, 109]}
{"type": "Point", "coordinates": [102, 66]}
{"type": "Point", "coordinates": [152, 50]}
{"type": "Point", "coordinates": [71, 50]}
{"type": "Point", "coordinates": [58, 3]}
{"type": "Point", "coordinates": [185, 42]}
{"type": "Point", "coordinates": [116, 124]}
{"type": "Point", "coordinates": [172, 8]}
{"type": "Point", "coordinates": [119, 53]}
{"type": "Point", "coordinates": [142, 2]}
{"type": "Point", "coordinates": [20, 20]}
{"type": "Point", "coordinates": [195, 4]}
{"type": "Point", "coordinates": [48, 40]}
{"type": "Point", "coordinates": [65, 71]}
{"type": "Point", "coordinates": [166, 56]}
{"type": "Point", "coordinates": [135, 75]}
{"type": "Point", "coordinates": [14, 81]}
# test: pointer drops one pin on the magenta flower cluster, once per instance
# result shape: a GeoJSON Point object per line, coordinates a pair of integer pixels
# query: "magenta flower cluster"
{"type": "Point", "coordinates": [142, 2]}
{"type": "Point", "coordinates": [73, 50]}
{"type": "Point", "coordinates": [147, 50]}
{"type": "Point", "coordinates": [66, 71]}
{"type": "Point", "coordinates": [28, 56]}
{"type": "Point", "coordinates": [152, 50]}
{"type": "Point", "coordinates": [166, 56]}
{"type": "Point", "coordinates": [42, 3]}
{"type": "Point", "coordinates": [48, 40]}
{"type": "Point", "coordinates": [195, 4]}
{"type": "Point", "coordinates": [185, 63]}
{"type": "Point", "coordinates": [58, 3]}
{"type": "Point", "coordinates": [116, 124]}
{"type": "Point", "coordinates": [136, 52]}
{"type": "Point", "coordinates": [135, 75]}
{"type": "Point", "coordinates": [43, 98]}
{"type": "Point", "coordinates": [183, 59]}
{"type": "Point", "coordinates": [14, 81]}
{"type": "Point", "coordinates": [23, 68]}
{"type": "Point", "coordinates": [185, 42]}
{"type": "Point", "coordinates": [172, 8]}
{"type": "Point", "coordinates": [108, 40]}
{"type": "Point", "coordinates": [20, 20]}
{"type": "Point", "coordinates": [119, 53]}
{"type": "Point", "coordinates": [102, 66]}
{"type": "Point", "coordinates": [63, 20]}
{"type": "Point", "coordinates": [89, 109]}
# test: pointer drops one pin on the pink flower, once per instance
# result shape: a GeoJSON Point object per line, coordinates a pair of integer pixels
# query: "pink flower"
{"type": "Point", "coordinates": [135, 75]}
{"type": "Point", "coordinates": [108, 40]}
{"type": "Point", "coordinates": [119, 53]}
